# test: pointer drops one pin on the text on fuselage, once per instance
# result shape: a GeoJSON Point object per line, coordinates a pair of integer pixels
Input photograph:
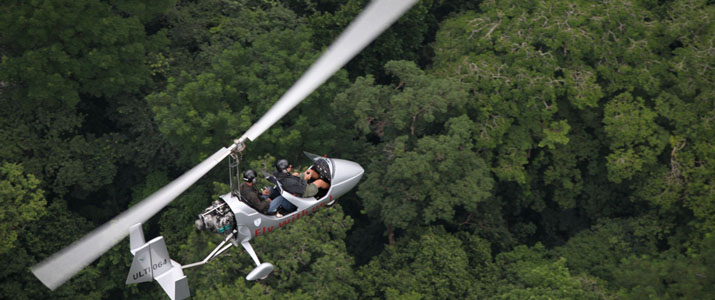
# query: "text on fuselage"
{"type": "Point", "coordinates": [302, 213]}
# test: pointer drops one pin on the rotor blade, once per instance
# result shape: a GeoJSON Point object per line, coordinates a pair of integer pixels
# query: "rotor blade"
{"type": "Point", "coordinates": [379, 15]}
{"type": "Point", "coordinates": [59, 268]}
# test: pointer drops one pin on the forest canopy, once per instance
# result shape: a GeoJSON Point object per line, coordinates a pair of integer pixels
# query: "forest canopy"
{"type": "Point", "coordinates": [512, 149]}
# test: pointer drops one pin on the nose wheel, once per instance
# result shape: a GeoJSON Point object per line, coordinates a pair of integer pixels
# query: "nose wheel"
{"type": "Point", "coordinates": [261, 270]}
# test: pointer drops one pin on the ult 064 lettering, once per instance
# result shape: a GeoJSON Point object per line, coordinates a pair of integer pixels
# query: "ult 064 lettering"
{"type": "Point", "coordinates": [145, 271]}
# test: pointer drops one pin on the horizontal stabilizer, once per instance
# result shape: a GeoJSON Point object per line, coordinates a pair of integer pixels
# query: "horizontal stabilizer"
{"type": "Point", "coordinates": [174, 282]}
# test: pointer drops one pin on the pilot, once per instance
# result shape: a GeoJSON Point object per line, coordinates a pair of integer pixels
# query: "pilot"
{"type": "Point", "coordinates": [303, 185]}
{"type": "Point", "coordinates": [250, 194]}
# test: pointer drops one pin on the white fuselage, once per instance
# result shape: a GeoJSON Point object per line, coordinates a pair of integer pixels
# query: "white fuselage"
{"type": "Point", "coordinates": [250, 223]}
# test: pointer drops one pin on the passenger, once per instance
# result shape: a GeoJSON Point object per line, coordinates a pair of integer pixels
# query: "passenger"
{"type": "Point", "coordinates": [314, 182]}
{"type": "Point", "coordinates": [302, 185]}
{"type": "Point", "coordinates": [249, 193]}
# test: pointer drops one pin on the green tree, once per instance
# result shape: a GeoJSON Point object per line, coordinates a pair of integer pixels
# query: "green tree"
{"type": "Point", "coordinates": [58, 228]}
{"type": "Point", "coordinates": [528, 274]}
{"type": "Point", "coordinates": [55, 52]}
{"type": "Point", "coordinates": [669, 275]}
{"type": "Point", "coordinates": [22, 202]}
{"type": "Point", "coordinates": [558, 84]}
{"type": "Point", "coordinates": [68, 67]}
{"type": "Point", "coordinates": [636, 139]}
{"type": "Point", "coordinates": [426, 155]}
{"type": "Point", "coordinates": [434, 265]}
{"type": "Point", "coordinates": [599, 251]}
{"type": "Point", "coordinates": [686, 175]}
{"type": "Point", "coordinates": [430, 182]}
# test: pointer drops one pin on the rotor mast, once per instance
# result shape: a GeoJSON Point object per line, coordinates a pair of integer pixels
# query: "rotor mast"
{"type": "Point", "coordinates": [234, 162]}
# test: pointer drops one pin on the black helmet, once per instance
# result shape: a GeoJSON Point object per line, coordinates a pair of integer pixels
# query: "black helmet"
{"type": "Point", "coordinates": [282, 165]}
{"type": "Point", "coordinates": [323, 169]}
{"type": "Point", "coordinates": [249, 176]}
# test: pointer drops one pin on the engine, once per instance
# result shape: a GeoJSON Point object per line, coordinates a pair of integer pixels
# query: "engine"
{"type": "Point", "coordinates": [217, 218]}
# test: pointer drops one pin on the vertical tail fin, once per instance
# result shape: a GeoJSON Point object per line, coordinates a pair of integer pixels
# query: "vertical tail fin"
{"type": "Point", "coordinates": [140, 271]}
{"type": "Point", "coordinates": [136, 237]}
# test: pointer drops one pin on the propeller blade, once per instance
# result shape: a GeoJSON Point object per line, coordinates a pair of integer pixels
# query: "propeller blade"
{"type": "Point", "coordinates": [379, 15]}
{"type": "Point", "coordinates": [63, 265]}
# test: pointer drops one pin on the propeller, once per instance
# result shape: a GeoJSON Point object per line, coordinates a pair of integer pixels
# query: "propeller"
{"type": "Point", "coordinates": [63, 265]}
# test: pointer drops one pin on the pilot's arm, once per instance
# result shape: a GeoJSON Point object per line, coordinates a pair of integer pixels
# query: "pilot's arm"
{"type": "Point", "coordinates": [321, 184]}
{"type": "Point", "coordinates": [310, 190]}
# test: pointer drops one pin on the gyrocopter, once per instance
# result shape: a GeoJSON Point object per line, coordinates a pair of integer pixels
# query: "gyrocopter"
{"type": "Point", "coordinates": [235, 219]}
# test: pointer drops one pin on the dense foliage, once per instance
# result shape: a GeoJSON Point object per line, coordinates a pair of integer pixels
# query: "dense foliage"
{"type": "Point", "coordinates": [513, 149]}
